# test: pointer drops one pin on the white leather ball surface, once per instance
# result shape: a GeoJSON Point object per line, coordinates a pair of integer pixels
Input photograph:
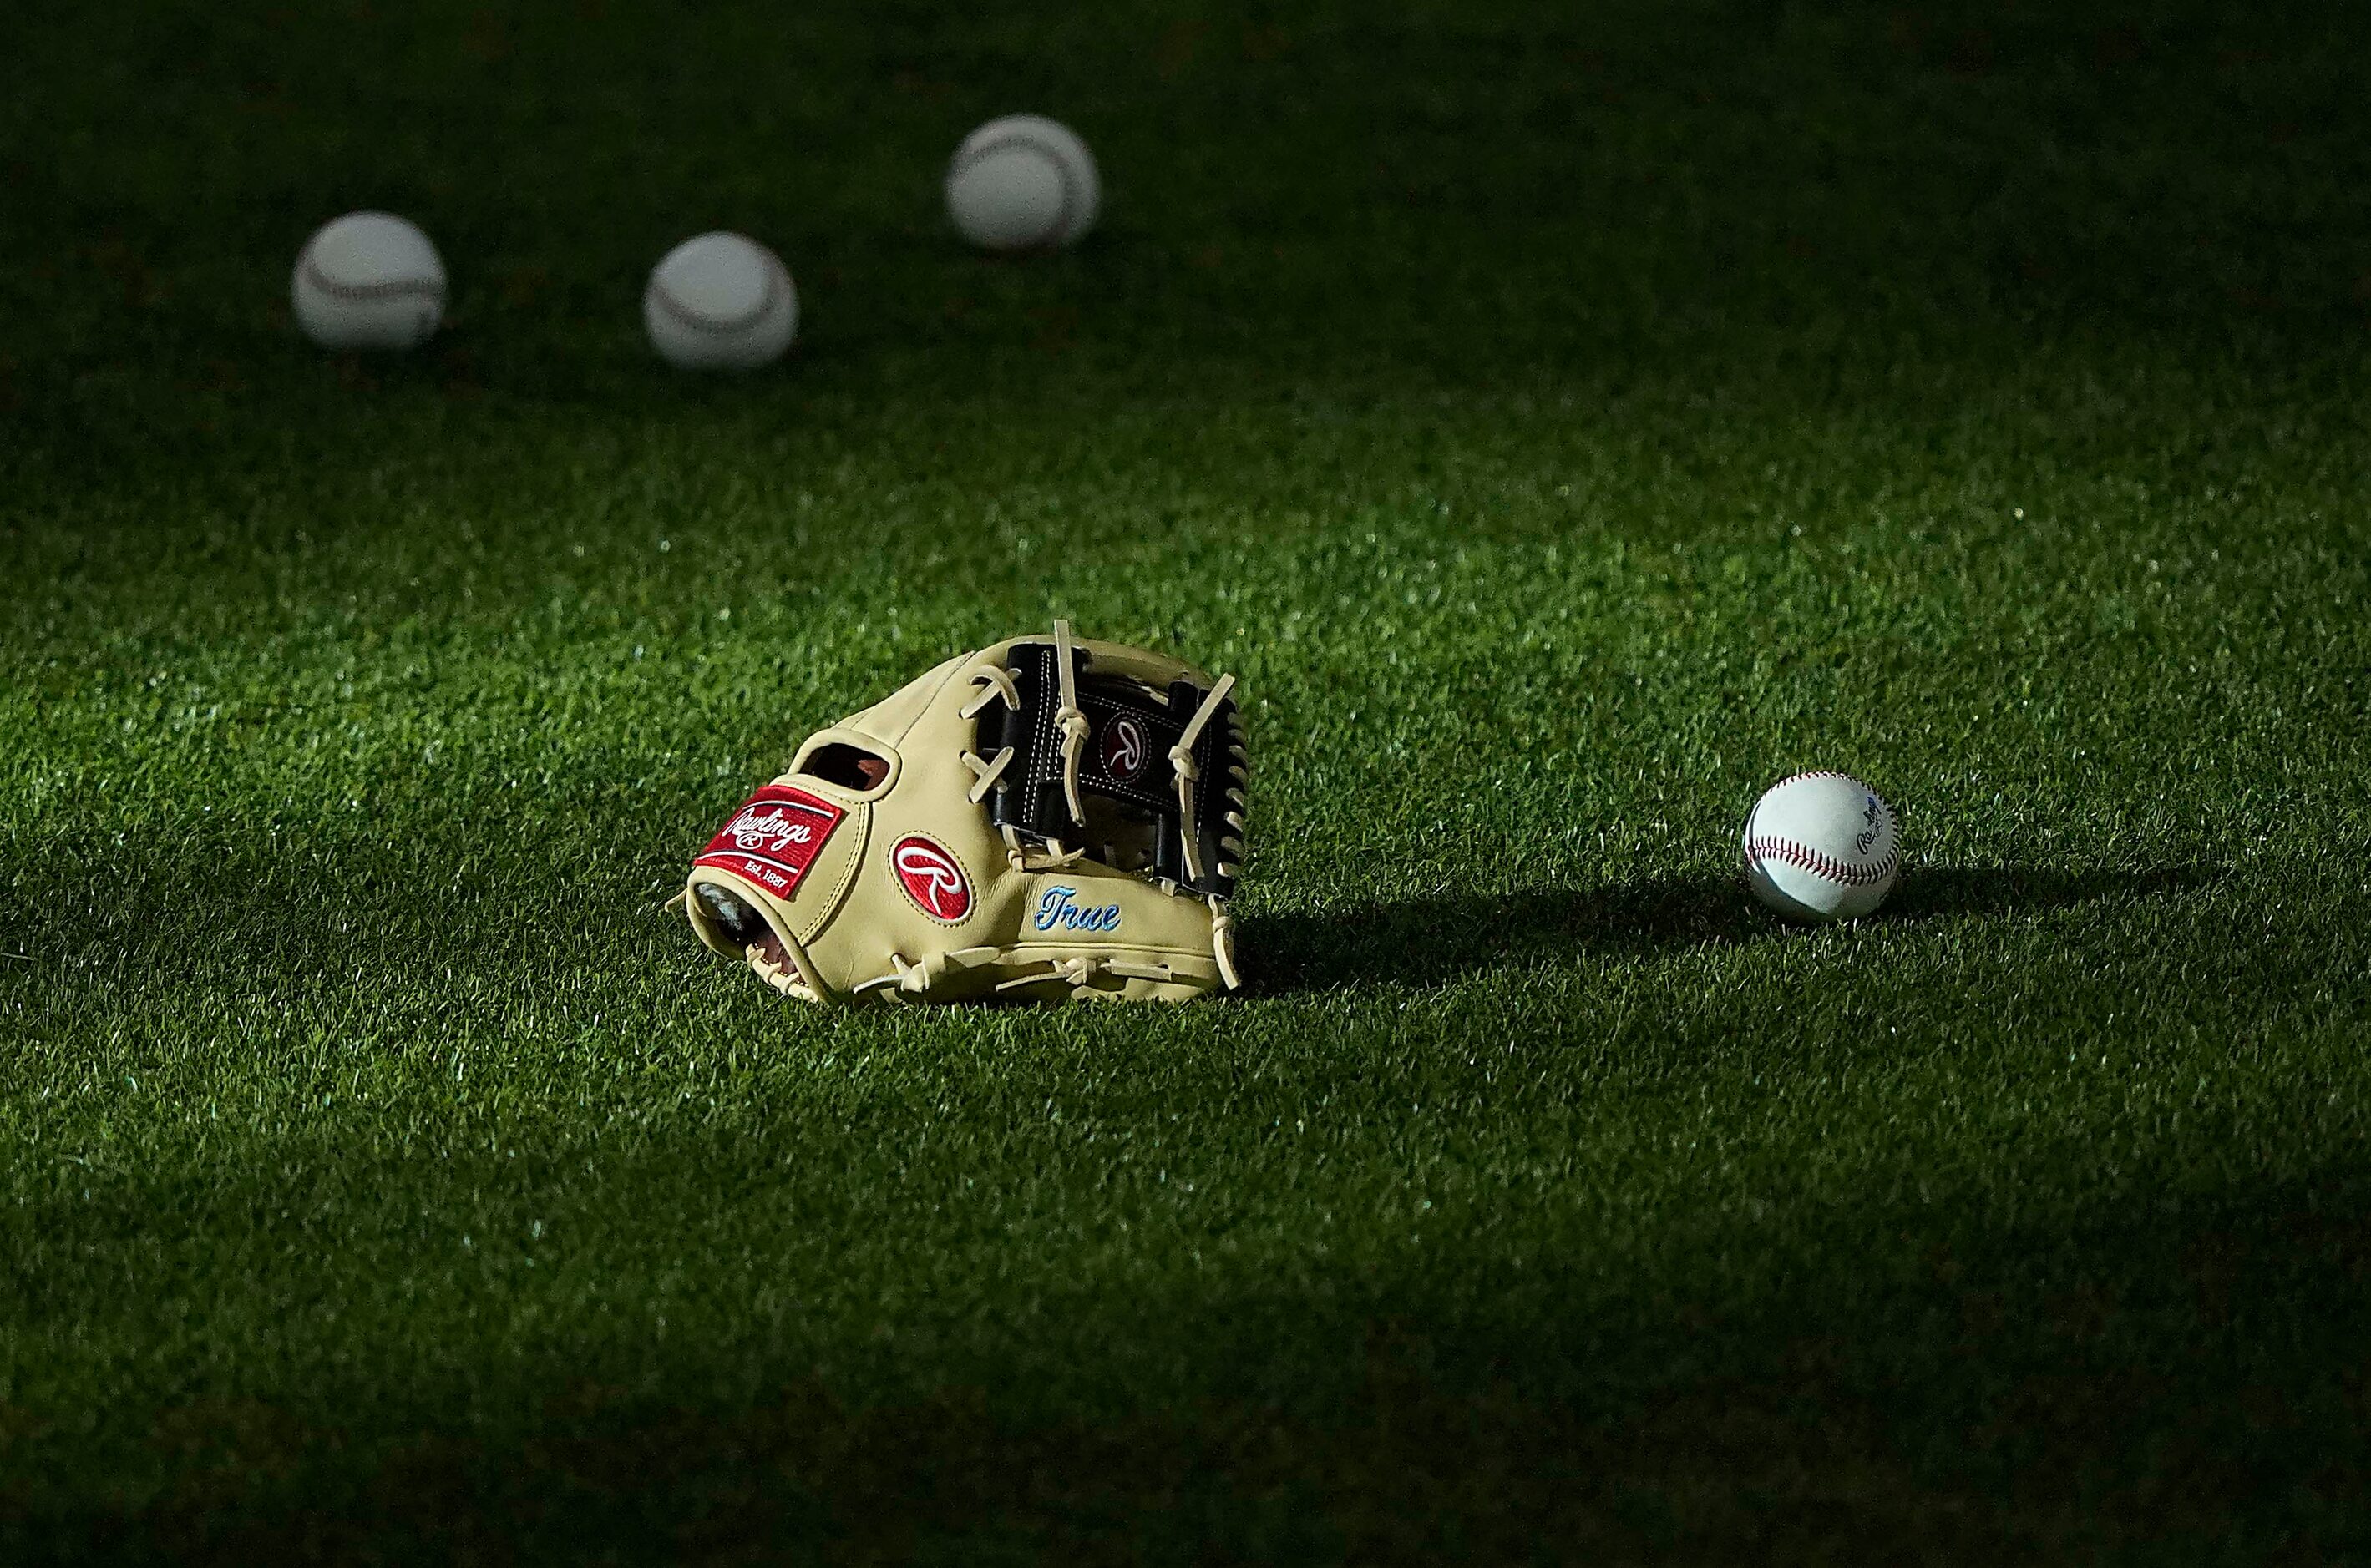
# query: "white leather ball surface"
{"type": "Point", "coordinates": [1822, 847]}
{"type": "Point", "coordinates": [1024, 182]}
{"type": "Point", "coordinates": [368, 280]}
{"type": "Point", "coordinates": [720, 302]}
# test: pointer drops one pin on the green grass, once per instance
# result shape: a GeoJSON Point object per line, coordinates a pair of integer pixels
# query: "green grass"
{"type": "Point", "coordinates": [1563, 427]}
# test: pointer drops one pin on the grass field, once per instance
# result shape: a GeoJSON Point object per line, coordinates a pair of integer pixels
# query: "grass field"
{"type": "Point", "coordinates": [1564, 425]}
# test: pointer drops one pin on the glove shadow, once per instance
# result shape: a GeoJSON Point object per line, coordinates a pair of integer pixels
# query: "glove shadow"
{"type": "Point", "coordinates": [1438, 937]}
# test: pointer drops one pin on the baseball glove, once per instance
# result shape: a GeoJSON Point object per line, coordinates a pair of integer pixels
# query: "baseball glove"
{"type": "Point", "coordinates": [1043, 819]}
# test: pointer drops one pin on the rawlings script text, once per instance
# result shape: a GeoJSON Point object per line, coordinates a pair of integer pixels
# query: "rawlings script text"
{"type": "Point", "coordinates": [772, 828]}
{"type": "Point", "coordinates": [1868, 834]}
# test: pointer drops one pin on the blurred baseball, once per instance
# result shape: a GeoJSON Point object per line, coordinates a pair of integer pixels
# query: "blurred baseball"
{"type": "Point", "coordinates": [1024, 182]}
{"type": "Point", "coordinates": [1822, 847]}
{"type": "Point", "coordinates": [720, 302]}
{"type": "Point", "coordinates": [368, 280]}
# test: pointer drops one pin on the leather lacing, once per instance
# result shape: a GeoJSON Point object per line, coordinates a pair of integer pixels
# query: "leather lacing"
{"type": "Point", "coordinates": [908, 978]}
{"type": "Point", "coordinates": [997, 684]}
{"type": "Point", "coordinates": [783, 977]}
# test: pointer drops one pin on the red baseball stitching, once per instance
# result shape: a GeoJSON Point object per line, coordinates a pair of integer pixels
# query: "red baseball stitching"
{"type": "Point", "coordinates": [1819, 773]}
{"type": "Point", "coordinates": [1787, 852]}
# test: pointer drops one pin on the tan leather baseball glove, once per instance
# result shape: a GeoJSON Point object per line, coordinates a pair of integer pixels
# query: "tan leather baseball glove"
{"type": "Point", "coordinates": [1045, 818]}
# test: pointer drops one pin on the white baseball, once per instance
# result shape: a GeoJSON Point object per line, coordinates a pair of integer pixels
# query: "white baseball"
{"type": "Point", "coordinates": [1822, 847]}
{"type": "Point", "coordinates": [720, 302]}
{"type": "Point", "coordinates": [1024, 182]}
{"type": "Point", "coordinates": [368, 280]}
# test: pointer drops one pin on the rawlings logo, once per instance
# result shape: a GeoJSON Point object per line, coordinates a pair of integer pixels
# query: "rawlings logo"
{"type": "Point", "coordinates": [773, 838]}
{"type": "Point", "coordinates": [772, 828]}
{"type": "Point", "coordinates": [1872, 815]}
{"type": "Point", "coordinates": [1060, 906]}
{"type": "Point", "coordinates": [931, 878]}
{"type": "Point", "coordinates": [1124, 749]}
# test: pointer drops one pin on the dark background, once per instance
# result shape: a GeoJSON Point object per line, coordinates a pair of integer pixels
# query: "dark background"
{"type": "Point", "coordinates": [1846, 1250]}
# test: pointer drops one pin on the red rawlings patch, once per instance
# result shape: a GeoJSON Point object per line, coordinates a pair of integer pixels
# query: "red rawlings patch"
{"type": "Point", "coordinates": [773, 838]}
{"type": "Point", "coordinates": [931, 878]}
{"type": "Point", "coordinates": [1124, 748]}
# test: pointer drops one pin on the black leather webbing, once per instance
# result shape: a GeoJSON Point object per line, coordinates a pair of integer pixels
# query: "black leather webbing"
{"type": "Point", "coordinates": [1127, 759]}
